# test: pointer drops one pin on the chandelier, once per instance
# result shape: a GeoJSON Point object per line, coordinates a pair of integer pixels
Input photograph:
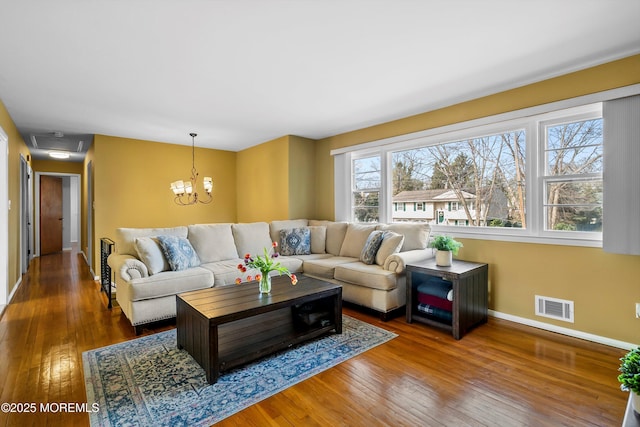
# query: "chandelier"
{"type": "Point", "coordinates": [185, 191]}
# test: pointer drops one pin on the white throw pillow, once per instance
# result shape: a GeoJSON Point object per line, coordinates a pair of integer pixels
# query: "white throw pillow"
{"type": "Point", "coordinates": [391, 244]}
{"type": "Point", "coordinates": [150, 253]}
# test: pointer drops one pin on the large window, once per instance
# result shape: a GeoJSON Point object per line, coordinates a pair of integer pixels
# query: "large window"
{"type": "Point", "coordinates": [539, 175]}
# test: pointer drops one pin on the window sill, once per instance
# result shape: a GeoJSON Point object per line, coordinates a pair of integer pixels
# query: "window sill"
{"type": "Point", "coordinates": [518, 236]}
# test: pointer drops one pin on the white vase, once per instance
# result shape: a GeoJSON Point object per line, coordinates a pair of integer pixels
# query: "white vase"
{"type": "Point", "coordinates": [635, 401]}
{"type": "Point", "coordinates": [444, 258]}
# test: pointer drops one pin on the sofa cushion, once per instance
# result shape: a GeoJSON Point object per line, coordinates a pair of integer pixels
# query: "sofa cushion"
{"type": "Point", "coordinates": [213, 242]}
{"type": "Point", "coordinates": [416, 235]}
{"type": "Point", "coordinates": [318, 239]}
{"type": "Point", "coordinates": [292, 263]}
{"type": "Point", "coordinates": [295, 241]}
{"type": "Point", "coordinates": [179, 253]}
{"type": "Point", "coordinates": [224, 272]}
{"type": "Point", "coordinates": [251, 238]}
{"type": "Point", "coordinates": [371, 246]}
{"type": "Point", "coordinates": [276, 226]}
{"type": "Point", "coordinates": [335, 234]}
{"type": "Point", "coordinates": [150, 253]}
{"type": "Point", "coordinates": [125, 238]}
{"type": "Point", "coordinates": [370, 276]}
{"type": "Point", "coordinates": [170, 283]}
{"type": "Point", "coordinates": [355, 238]}
{"type": "Point", "coordinates": [324, 267]}
{"type": "Point", "coordinates": [391, 244]}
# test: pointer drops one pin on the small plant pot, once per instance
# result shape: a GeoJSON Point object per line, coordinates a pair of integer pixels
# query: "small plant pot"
{"type": "Point", "coordinates": [444, 258]}
{"type": "Point", "coordinates": [635, 402]}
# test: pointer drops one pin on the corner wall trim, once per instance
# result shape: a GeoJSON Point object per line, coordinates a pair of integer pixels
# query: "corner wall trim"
{"type": "Point", "coordinates": [564, 331]}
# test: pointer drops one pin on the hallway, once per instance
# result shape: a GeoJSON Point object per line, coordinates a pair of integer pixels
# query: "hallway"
{"type": "Point", "coordinates": [57, 313]}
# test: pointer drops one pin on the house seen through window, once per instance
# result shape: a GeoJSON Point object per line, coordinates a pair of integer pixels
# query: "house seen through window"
{"type": "Point", "coordinates": [541, 173]}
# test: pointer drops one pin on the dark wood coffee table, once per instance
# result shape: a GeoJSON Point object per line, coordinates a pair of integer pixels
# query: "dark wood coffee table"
{"type": "Point", "coordinates": [231, 325]}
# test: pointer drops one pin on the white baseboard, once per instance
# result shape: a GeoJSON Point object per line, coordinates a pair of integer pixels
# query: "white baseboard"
{"type": "Point", "coordinates": [95, 277]}
{"type": "Point", "coordinates": [564, 331]}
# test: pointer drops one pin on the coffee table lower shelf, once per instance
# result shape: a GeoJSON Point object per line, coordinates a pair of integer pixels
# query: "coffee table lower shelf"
{"type": "Point", "coordinates": [221, 339]}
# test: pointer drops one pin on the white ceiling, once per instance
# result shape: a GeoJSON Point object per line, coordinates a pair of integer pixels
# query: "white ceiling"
{"type": "Point", "coordinates": [242, 72]}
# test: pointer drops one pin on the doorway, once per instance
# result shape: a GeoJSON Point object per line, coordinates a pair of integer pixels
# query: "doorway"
{"type": "Point", "coordinates": [57, 227]}
{"type": "Point", "coordinates": [50, 215]}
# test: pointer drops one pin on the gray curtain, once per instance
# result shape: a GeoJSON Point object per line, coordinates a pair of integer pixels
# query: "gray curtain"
{"type": "Point", "coordinates": [621, 211]}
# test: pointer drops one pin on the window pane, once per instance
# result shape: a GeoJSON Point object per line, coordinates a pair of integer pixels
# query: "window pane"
{"type": "Point", "coordinates": [366, 173]}
{"type": "Point", "coordinates": [574, 205]}
{"type": "Point", "coordinates": [365, 207]}
{"type": "Point", "coordinates": [574, 148]}
{"type": "Point", "coordinates": [367, 177]}
{"type": "Point", "coordinates": [479, 181]}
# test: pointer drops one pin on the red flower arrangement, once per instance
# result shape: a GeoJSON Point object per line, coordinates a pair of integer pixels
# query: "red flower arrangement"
{"type": "Point", "coordinates": [265, 263]}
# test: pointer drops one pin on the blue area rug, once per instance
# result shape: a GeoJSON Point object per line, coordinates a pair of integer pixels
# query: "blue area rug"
{"type": "Point", "coordinates": [149, 382]}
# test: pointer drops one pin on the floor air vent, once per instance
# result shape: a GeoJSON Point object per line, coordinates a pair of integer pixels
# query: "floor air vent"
{"type": "Point", "coordinates": [554, 308]}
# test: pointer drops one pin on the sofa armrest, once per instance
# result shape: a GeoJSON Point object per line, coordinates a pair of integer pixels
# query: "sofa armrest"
{"type": "Point", "coordinates": [398, 261]}
{"type": "Point", "coordinates": [128, 266]}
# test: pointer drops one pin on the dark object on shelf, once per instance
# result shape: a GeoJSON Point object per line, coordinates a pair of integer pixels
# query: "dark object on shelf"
{"type": "Point", "coordinates": [106, 248]}
{"type": "Point", "coordinates": [470, 294]}
{"type": "Point", "coordinates": [442, 303]}
{"type": "Point", "coordinates": [437, 287]}
{"type": "Point", "coordinates": [312, 313]}
{"type": "Point", "coordinates": [439, 313]}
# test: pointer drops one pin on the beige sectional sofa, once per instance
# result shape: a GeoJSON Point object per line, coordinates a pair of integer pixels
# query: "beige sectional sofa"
{"type": "Point", "coordinates": [146, 283]}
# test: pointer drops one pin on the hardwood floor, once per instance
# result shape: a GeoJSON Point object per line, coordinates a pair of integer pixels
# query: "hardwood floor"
{"type": "Point", "coordinates": [501, 374]}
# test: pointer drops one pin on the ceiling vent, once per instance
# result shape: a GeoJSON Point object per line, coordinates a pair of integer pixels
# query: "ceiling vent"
{"type": "Point", "coordinates": [56, 141]}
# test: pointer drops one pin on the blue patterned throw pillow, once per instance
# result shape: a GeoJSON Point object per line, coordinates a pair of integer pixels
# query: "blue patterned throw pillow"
{"type": "Point", "coordinates": [370, 249]}
{"type": "Point", "coordinates": [295, 241]}
{"type": "Point", "coordinates": [179, 253]}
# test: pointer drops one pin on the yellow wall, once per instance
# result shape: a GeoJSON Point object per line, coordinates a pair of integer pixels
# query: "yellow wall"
{"type": "Point", "coordinates": [17, 148]}
{"type": "Point", "coordinates": [57, 166]}
{"type": "Point", "coordinates": [88, 182]}
{"type": "Point", "coordinates": [276, 180]}
{"type": "Point", "coordinates": [604, 287]}
{"type": "Point", "coordinates": [132, 178]}
{"type": "Point", "coordinates": [262, 177]}
{"type": "Point", "coordinates": [302, 175]}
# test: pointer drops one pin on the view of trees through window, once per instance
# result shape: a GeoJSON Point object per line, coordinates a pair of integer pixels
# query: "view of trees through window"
{"type": "Point", "coordinates": [573, 177]}
{"type": "Point", "coordinates": [477, 181]}
{"type": "Point", "coordinates": [367, 179]}
{"type": "Point", "coordinates": [482, 181]}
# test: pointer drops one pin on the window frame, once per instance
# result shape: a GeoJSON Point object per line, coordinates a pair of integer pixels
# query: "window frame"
{"type": "Point", "coordinates": [573, 115]}
{"type": "Point", "coordinates": [534, 168]}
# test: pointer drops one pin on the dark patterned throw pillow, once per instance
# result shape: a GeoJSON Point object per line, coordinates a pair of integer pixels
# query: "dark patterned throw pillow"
{"type": "Point", "coordinates": [370, 249]}
{"type": "Point", "coordinates": [295, 241]}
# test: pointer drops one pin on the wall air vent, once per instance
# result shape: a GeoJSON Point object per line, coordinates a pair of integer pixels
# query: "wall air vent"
{"type": "Point", "coordinates": [554, 308]}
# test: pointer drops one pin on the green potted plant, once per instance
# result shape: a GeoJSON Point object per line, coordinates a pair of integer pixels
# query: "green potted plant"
{"type": "Point", "coordinates": [445, 247]}
{"type": "Point", "coordinates": [630, 376]}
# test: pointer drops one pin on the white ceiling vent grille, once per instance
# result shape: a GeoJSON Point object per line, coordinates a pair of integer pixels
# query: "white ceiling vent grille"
{"type": "Point", "coordinates": [554, 308]}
